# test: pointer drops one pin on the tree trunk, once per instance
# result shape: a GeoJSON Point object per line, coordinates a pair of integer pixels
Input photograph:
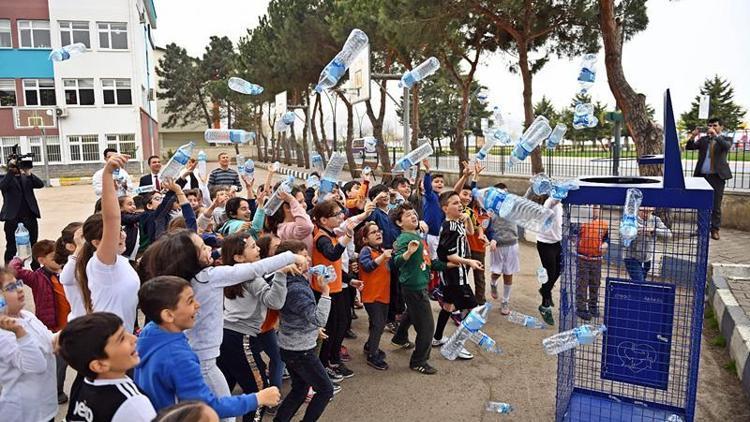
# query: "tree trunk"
{"type": "Point", "coordinates": [324, 140]}
{"type": "Point", "coordinates": [415, 130]}
{"type": "Point", "coordinates": [349, 134]}
{"type": "Point", "coordinates": [457, 143]}
{"type": "Point", "coordinates": [537, 166]}
{"type": "Point", "coordinates": [261, 137]}
{"type": "Point", "coordinates": [305, 141]}
{"type": "Point", "coordinates": [377, 132]}
{"type": "Point", "coordinates": [314, 129]}
{"type": "Point", "coordinates": [647, 136]}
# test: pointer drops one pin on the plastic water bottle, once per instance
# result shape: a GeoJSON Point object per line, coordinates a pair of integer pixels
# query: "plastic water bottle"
{"type": "Point", "coordinates": [498, 116]}
{"type": "Point", "coordinates": [520, 211]}
{"type": "Point", "coordinates": [488, 145]}
{"type": "Point", "coordinates": [316, 162]}
{"type": "Point", "coordinates": [249, 168]}
{"type": "Point", "coordinates": [502, 137]}
{"type": "Point", "coordinates": [202, 160]}
{"type": "Point", "coordinates": [274, 202]}
{"type": "Point", "coordinates": [556, 137]}
{"type": "Point", "coordinates": [525, 320]}
{"type": "Point", "coordinates": [499, 407]}
{"type": "Point", "coordinates": [370, 144]}
{"type": "Point", "coordinates": [330, 176]}
{"type": "Point", "coordinates": [583, 116]}
{"type": "Point", "coordinates": [538, 131]}
{"type": "Point", "coordinates": [587, 74]}
{"type": "Point", "coordinates": [366, 171]}
{"type": "Point", "coordinates": [334, 70]}
{"type": "Point", "coordinates": [177, 162]}
{"type": "Point", "coordinates": [483, 96]}
{"type": "Point", "coordinates": [228, 136]}
{"type": "Point", "coordinates": [585, 334]}
{"type": "Point", "coordinates": [425, 69]}
{"type": "Point", "coordinates": [23, 241]}
{"type": "Point", "coordinates": [485, 342]}
{"type": "Point", "coordinates": [328, 272]}
{"type": "Point", "coordinates": [313, 182]}
{"type": "Point", "coordinates": [629, 221]}
{"type": "Point", "coordinates": [541, 184]}
{"type": "Point", "coordinates": [140, 190]}
{"type": "Point", "coordinates": [560, 189]}
{"type": "Point", "coordinates": [275, 166]}
{"type": "Point", "coordinates": [240, 160]}
{"type": "Point", "coordinates": [541, 276]}
{"type": "Point", "coordinates": [473, 322]}
{"type": "Point", "coordinates": [484, 124]}
{"type": "Point", "coordinates": [67, 52]}
{"type": "Point", "coordinates": [288, 118]}
{"type": "Point", "coordinates": [244, 87]}
{"type": "Point", "coordinates": [674, 418]}
{"type": "Point", "coordinates": [414, 157]}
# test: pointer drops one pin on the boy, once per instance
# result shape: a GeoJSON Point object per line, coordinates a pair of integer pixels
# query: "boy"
{"type": "Point", "coordinates": [638, 256]}
{"type": "Point", "coordinates": [593, 238]}
{"type": "Point", "coordinates": [503, 256]}
{"type": "Point", "coordinates": [453, 248]}
{"type": "Point", "coordinates": [401, 187]}
{"type": "Point", "coordinates": [195, 197]}
{"type": "Point", "coordinates": [355, 193]}
{"type": "Point", "coordinates": [433, 214]}
{"type": "Point", "coordinates": [102, 351]}
{"type": "Point", "coordinates": [219, 195]}
{"type": "Point", "coordinates": [413, 262]}
{"type": "Point", "coordinates": [170, 371]}
{"type": "Point", "coordinates": [379, 194]}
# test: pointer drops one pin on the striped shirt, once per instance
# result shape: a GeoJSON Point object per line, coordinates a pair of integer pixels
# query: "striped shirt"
{"type": "Point", "coordinates": [227, 177]}
{"type": "Point", "coordinates": [453, 242]}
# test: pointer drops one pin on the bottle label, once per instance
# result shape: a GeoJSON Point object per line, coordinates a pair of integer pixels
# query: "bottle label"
{"type": "Point", "coordinates": [181, 157]}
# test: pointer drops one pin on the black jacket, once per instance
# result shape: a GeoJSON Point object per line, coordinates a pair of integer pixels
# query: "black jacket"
{"type": "Point", "coordinates": [146, 180]}
{"type": "Point", "coordinates": [722, 145]}
{"type": "Point", "coordinates": [17, 188]}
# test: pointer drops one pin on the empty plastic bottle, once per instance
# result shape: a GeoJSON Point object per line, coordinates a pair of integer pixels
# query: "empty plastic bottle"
{"type": "Point", "coordinates": [488, 145]}
{"type": "Point", "coordinates": [525, 320]}
{"type": "Point", "coordinates": [228, 136]}
{"type": "Point", "coordinates": [557, 136]}
{"type": "Point", "coordinates": [316, 162]}
{"type": "Point", "coordinates": [473, 322]}
{"type": "Point", "coordinates": [414, 157]}
{"type": "Point", "coordinates": [587, 75]}
{"type": "Point", "coordinates": [484, 124]}
{"type": "Point", "coordinates": [521, 211]}
{"type": "Point", "coordinates": [313, 182]}
{"type": "Point", "coordinates": [629, 221]}
{"type": "Point", "coordinates": [366, 171]}
{"type": "Point", "coordinates": [240, 160]}
{"type": "Point", "coordinates": [412, 174]}
{"type": "Point", "coordinates": [674, 418]}
{"type": "Point", "coordinates": [202, 160]}
{"type": "Point", "coordinates": [583, 116]}
{"type": "Point", "coordinates": [23, 241]}
{"type": "Point", "coordinates": [67, 52]}
{"type": "Point", "coordinates": [485, 342]}
{"type": "Point", "coordinates": [541, 276]}
{"type": "Point", "coordinates": [275, 166]}
{"type": "Point", "coordinates": [274, 202]}
{"type": "Point", "coordinates": [585, 334]}
{"type": "Point", "coordinates": [328, 272]}
{"type": "Point", "coordinates": [249, 168]}
{"type": "Point", "coordinates": [483, 96]}
{"type": "Point", "coordinates": [541, 184]}
{"type": "Point", "coordinates": [177, 162]}
{"type": "Point", "coordinates": [502, 137]}
{"type": "Point", "coordinates": [560, 188]}
{"type": "Point", "coordinates": [370, 144]}
{"type": "Point", "coordinates": [244, 87]}
{"type": "Point", "coordinates": [330, 176]}
{"type": "Point", "coordinates": [334, 70]}
{"type": "Point", "coordinates": [498, 407]}
{"type": "Point", "coordinates": [498, 116]}
{"type": "Point", "coordinates": [288, 118]}
{"type": "Point", "coordinates": [425, 69]}
{"type": "Point", "coordinates": [140, 190]}
{"type": "Point", "coordinates": [538, 131]}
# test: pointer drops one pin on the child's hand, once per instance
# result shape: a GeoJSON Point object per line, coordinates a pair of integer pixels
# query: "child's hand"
{"type": "Point", "coordinates": [246, 226]}
{"type": "Point", "coordinates": [249, 181]}
{"type": "Point", "coordinates": [301, 262]}
{"type": "Point", "coordinates": [350, 225]}
{"type": "Point", "coordinates": [467, 169]}
{"type": "Point", "coordinates": [11, 324]}
{"type": "Point", "coordinates": [320, 281]}
{"type": "Point", "coordinates": [426, 164]}
{"type": "Point", "coordinates": [285, 196]}
{"type": "Point", "coordinates": [478, 168]}
{"type": "Point", "coordinates": [448, 307]}
{"type": "Point", "coordinates": [462, 217]}
{"type": "Point", "coordinates": [322, 334]}
{"type": "Point", "coordinates": [78, 238]}
{"type": "Point", "coordinates": [493, 245]}
{"type": "Point", "coordinates": [116, 161]}
{"type": "Point", "coordinates": [473, 263]}
{"type": "Point", "coordinates": [268, 397]}
{"type": "Point", "coordinates": [423, 227]}
{"type": "Point", "coordinates": [357, 284]}
{"type": "Point", "coordinates": [369, 208]}
{"type": "Point", "coordinates": [24, 258]}
{"type": "Point", "coordinates": [291, 269]}
{"type": "Point", "coordinates": [413, 246]}
{"type": "Point", "coordinates": [170, 184]}
{"type": "Point", "coordinates": [388, 253]}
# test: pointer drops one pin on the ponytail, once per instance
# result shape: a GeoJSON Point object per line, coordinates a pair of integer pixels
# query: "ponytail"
{"type": "Point", "coordinates": [93, 229]}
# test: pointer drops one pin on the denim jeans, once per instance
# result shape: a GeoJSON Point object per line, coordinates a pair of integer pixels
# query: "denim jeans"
{"type": "Point", "coordinates": [235, 363]}
{"type": "Point", "coordinates": [215, 381]}
{"type": "Point", "coordinates": [378, 314]}
{"type": "Point", "coordinates": [306, 371]}
{"type": "Point", "coordinates": [419, 314]}
{"type": "Point", "coordinates": [637, 269]}
{"type": "Point", "coordinates": [268, 342]}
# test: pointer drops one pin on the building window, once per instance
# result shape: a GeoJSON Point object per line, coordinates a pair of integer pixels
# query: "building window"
{"type": "Point", "coordinates": [117, 91]}
{"type": "Point", "coordinates": [6, 146]}
{"type": "Point", "coordinates": [34, 34]}
{"type": "Point", "coordinates": [84, 147]}
{"type": "Point", "coordinates": [5, 41]}
{"type": "Point", "coordinates": [39, 92]}
{"type": "Point", "coordinates": [113, 35]}
{"type": "Point", "coordinates": [79, 91]}
{"type": "Point", "coordinates": [54, 152]}
{"type": "Point", "coordinates": [124, 143]}
{"type": "Point", "coordinates": [75, 31]}
{"type": "Point", "coordinates": [7, 92]}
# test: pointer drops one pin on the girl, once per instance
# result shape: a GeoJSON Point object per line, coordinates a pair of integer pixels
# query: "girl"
{"type": "Point", "coordinates": [550, 253]}
{"type": "Point", "coordinates": [27, 361]}
{"type": "Point", "coordinates": [291, 222]}
{"type": "Point", "coordinates": [267, 339]}
{"type": "Point", "coordinates": [241, 219]}
{"type": "Point", "coordinates": [72, 243]}
{"type": "Point", "coordinates": [182, 253]}
{"type": "Point", "coordinates": [375, 273]}
{"type": "Point", "coordinates": [245, 308]}
{"type": "Point", "coordinates": [130, 225]}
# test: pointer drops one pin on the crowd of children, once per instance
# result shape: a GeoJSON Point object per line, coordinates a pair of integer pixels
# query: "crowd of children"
{"type": "Point", "coordinates": [228, 300]}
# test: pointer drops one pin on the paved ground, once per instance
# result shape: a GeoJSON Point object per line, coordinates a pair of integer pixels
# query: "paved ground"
{"type": "Point", "coordinates": [523, 375]}
{"type": "Point", "coordinates": [734, 248]}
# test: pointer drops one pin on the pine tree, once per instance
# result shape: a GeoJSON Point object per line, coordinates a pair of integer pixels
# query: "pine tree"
{"type": "Point", "coordinates": [721, 105]}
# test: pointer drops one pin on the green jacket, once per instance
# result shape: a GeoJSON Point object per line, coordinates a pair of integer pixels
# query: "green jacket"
{"type": "Point", "coordinates": [414, 274]}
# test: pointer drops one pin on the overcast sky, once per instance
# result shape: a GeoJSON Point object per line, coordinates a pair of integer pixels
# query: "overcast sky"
{"type": "Point", "coordinates": [686, 42]}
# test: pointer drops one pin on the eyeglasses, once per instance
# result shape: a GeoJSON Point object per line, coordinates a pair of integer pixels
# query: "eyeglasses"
{"type": "Point", "coordinates": [12, 287]}
{"type": "Point", "coordinates": [376, 231]}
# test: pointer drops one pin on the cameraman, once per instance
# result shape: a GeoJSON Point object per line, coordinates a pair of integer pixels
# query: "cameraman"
{"type": "Point", "coordinates": [19, 203]}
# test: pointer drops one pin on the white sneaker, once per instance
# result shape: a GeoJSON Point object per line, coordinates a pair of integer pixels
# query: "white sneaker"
{"type": "Point", "coordinates": [505, 308]}
{"type": "Point", "coordinates": [465, 355]}
{"type": "Point", "coordinates": [438, 343]}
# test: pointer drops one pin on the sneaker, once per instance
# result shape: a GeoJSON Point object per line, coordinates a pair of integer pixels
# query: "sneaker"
{"type": "Point", "coordinates": [546, 312]}
{"type": "Point", "coordinates": [334, 376]}
{"type": "Point", "coordinates": [424, 369]}
{"type": "Point", "coordinates": [311, 393]}
{"type": "Point", "coordinates": [381, 353]}
{"type": "Point", "coordinates": [465, 355]}
{"type": "Point", "coordinates": [376, 363]}
{"type": "Point", "coordinates": [271, 410]}
{"type": "Point", "coordinates": [62, 398]}
{"type": "Point", "coordinates": [594, 311]}
{"type": "Point", "coordinates": [456, 317]}
{"type": "Point", "coordinates": [438, 343]}
{"type": "Point", "coordinates": [493, 290]}
{"type": "Point", "coordinates": [583, 314]}
{"type": "Point", "coordinates": [505, 308]}
{"type": "Point", "coordinates": [350, 334]}
{"type": "Point", "coordinates": [391, 327]}
{"type": "Point", "coordinates": [358, 304]}
{"type": "Point", "coordinates": [342, 370]}
{"type": "Point", "coordinates": [344, 354]}
{"type": "Point", "coordinates": [285, 375]}
{"type": "Point", "coordinates": [406, 345]}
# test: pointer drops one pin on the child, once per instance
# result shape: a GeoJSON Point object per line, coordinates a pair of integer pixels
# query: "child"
{"type": "Point", "coordinates": [453, 248]}
{"type": "Point", "coordinates": [413, 261]}
{"type": "Point", "coordinates": [131, 220]}
{"type": "Point", "coordinates": [219, 195]}
{"type": "Point", "coordinates": [375, 273]}
{"type": "Point", "coordinates": [433, 214]}
{"type": "Point", "coordinates": [550, 253]}
{"type": "Point", "coordinates": [503, 256]}
{"type": "Point", "coordinates": [187, 411]}
{"type": "Point", "coordinates": [380, 196]}
{"type": "Point", "coordinates": [299, 327]}
{"type": "Point", "coordinates": [478, 222]}
{"type": "Point", "coordinates": [593, 239]}
{"type": "Point", "coordinates": [27, 361]}
{"type": "Point", "coordinates": [195, 198]}
{"type": "Point", "coordinates": [99, 348]}
{"type": "Point", "coordinates": [355, 193]}
{"type": "Point", "coordinates": [641, 251]}
{"type": "Point", "coordinates": [291, 221]}
{"type": "Point", "coordinates": [240, 218]}
{"type": "Point", "coordinates": [68, 279]}
{"type": "Point", "coordinates": [170, 371]}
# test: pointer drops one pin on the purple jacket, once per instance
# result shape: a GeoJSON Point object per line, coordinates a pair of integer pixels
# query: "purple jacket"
{"type": "Point", "coordinates": [41, 287]}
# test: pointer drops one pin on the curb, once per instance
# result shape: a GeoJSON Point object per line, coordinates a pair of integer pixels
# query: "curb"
{"type": "Point", "coordinates": [289, 171]}
{"type": "Point", "coordinates": [70, 181]}
{"type": "Point", "coordinates": [734, 325]}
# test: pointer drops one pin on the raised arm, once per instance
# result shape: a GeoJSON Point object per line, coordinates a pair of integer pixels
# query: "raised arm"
{"type": "Point", "coordinates": [20, 350]}
{"type": "Point", "coordinates": [107, 251]}
{"type": "Point", "coordinates": [229, 275]}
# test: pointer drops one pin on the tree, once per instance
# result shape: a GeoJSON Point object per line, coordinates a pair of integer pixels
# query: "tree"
{"type": "Point", "coordinates": [182, 86]}
{"type": "Point", "coordinates": [721, 105]}
{"type": "Point", "coordinates": [545, 108]}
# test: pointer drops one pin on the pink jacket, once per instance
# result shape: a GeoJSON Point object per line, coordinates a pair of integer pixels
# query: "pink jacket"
{"type": "Point", "coordinates": [299, 229]}
{"type": "Point", "coordinates": [41, 287]}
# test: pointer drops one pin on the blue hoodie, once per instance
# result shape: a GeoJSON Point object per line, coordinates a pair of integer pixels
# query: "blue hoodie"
{"type": "Point", "coordinates": [170, 372]}
{"type": "Point", "coordinates": [432, 212]}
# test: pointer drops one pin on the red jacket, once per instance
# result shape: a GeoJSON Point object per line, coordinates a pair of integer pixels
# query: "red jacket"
{"type": "Point", "coordinates": [41, 287]}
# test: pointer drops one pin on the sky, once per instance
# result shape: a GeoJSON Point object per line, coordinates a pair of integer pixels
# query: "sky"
{"type": "Point", "coordinates": [686, 42]}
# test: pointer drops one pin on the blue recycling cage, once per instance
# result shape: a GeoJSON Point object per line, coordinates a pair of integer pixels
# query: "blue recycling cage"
{"type": "Point", "coordinates": [649, 294]}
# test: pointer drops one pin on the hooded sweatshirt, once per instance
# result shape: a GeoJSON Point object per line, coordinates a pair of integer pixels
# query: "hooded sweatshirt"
{"type": "Point", "coordinates": [170, 372]}
{"type": "Point", "coordinates": [300, 316]}
{"type": "Point", "coordinates": [246, 314]}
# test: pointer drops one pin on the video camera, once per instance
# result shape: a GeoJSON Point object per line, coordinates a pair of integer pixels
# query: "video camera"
{"type": "Point", "coordinates": [18, 161]}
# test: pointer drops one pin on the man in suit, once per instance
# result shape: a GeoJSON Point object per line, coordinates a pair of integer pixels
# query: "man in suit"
{"type": "Point", "coordinates": [154, 165]}
{"type": "Point", "coordinates": [19, 205]}
{"type": "Point", "coordinates": [712, 165]}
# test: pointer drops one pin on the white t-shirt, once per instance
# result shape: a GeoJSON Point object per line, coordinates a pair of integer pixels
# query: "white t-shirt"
{"type": "Point", "coordinates": [114, 288]}
{"type": "Point", "coordinates": [554, 234]}
{"type": "Point", "coordinates": [132, 404]}
{"type": "Point", "coordinates": [72, 290]}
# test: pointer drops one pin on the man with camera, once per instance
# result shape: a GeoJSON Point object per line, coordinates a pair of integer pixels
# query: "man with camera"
{"type": "Point", "coordinates": [19, 202]}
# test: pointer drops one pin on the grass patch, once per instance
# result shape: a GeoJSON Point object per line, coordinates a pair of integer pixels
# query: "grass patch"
{"type": "Point", "coordinates": [731, 366]}
{"type": "Point", "coordinates": [718, 341]}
